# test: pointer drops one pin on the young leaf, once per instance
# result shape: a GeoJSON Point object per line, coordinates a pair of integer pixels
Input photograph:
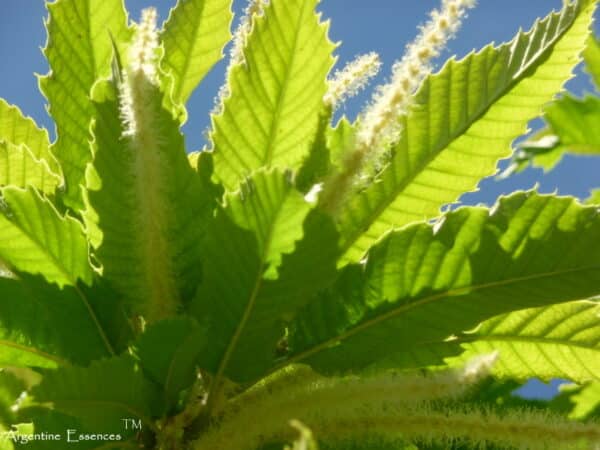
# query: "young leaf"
{"type": "Point", "coordinates": [258, 272]}
{"type": "Point", "coordinates": [147, 207]}
{"type": "Point", "coordinates": [559, 341]}
{"type": "Point", "coordinates": [317, 163]}
{"type": "Point", "coordinates": [572, 127]}
{"type": "Point", "coordinates": [193, 39]}
{"type": "Point", "coordinates": [79, 52]}
{"type": "Point", "coordinates": [423, 284]}
{"type": "Point", "coordinates": [20, 168]}
{"type": "Point", "coordinates": [340, 140]}
{"type": "Point", "coordinates": [16, 129]}
{"type": "Point", "coordinates": [44, 420]}
{"type": "Point", "coordinates": [36, 239]}
{"type": "Point", "coordinates": [65, 330]}
{"type": "Point", "coordinates": [327, 152]}
{"type": "Point", "coordinates": [271, 115]}
{"type": "Point", "coordinates": [591, 55]}
{"type": "Point", "coordinates": [108, 313]}
{"type": "Point", "coordinates": [168, 351]}
{"type": "Point", "coordinates": [594, 198]}
{"type": "Point", "coordinates": [586, 402]}
{"type": "Point", "coordinates": [268, 205]}
{"type": "Point", "coordinates": [101, 395]}
{"type": "Point", "coordinates": [465, 118]}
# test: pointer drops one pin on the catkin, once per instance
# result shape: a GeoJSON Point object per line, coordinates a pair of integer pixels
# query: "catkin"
{"type": "Point", "coordinates": [380, 125]}
{"type": "Point", "coordinates": [351, 79]}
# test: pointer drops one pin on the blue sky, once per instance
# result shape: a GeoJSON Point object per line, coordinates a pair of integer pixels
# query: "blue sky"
{"type": "Point", "coordinates": [384, 26]}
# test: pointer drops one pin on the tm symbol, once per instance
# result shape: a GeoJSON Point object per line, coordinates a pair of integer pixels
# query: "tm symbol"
{"type": "Point", "coordinates": [132, 424]}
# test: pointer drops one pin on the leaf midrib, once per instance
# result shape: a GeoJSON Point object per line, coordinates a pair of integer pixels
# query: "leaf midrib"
{"type": "Point", "coordinates": [34, 351]}
{"type": "Point", "coordinates": [406, 307]}
{"type": "Point", "coordinates": [284, 88]}
{"type": "Point", "coordinates": [388, 200]}
{"type": "Point", "coordinates": [215, 384]}
{"type": "Point", "coordinates": [73, 282]}
{"type": "Point", "coordinates": [527, 339]}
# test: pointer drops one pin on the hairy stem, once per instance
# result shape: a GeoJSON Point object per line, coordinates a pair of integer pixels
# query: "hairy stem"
{"type": "Point", "coordinates": [298, 393]}
{"type": "Point", "coordinates": [389, 423]}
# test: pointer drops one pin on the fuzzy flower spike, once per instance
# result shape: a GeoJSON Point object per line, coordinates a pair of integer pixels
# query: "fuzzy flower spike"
{"type": "Point", "coordinates": [379, 124]}
{"type": "Point", "coordinates": [140, 106]}
{"type": "Point", "coordinates": [141, 71]}
{"type": "Point", "coordinates": [143, 51]}
{"type": "Point", "coordinates": [352, 78]}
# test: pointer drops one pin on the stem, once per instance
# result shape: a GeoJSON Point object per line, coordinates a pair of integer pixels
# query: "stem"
{"type": "Point", "coordinates": [520, 430]}
{"type": "Point", "coordinates": [97, 323]}
{"type": "Point", "coordinates": [299, 393]}
{"type": "Point", "coordinates": [389, 423]}
{"type": "Point", "coordinates": [216, 384]}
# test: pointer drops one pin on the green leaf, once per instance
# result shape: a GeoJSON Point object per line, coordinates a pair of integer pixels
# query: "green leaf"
{"type": "Point", "coordinates": [562, 402]}
{"type": "Point", "coordinates": [193, 39]}
{"type": "Point", "coordinates": [147, 207]}
{"type": "Point", "coordinates": [44, 420]}
{"type": "Point", "coordinates": [36, 239]}
{"type": "Point", "coordinates": [426, 283]}
{"type": "Point", "coordinates": [463, 122]}
{"type": "Point", "coordinates": [108, 313]}
{"type": "Point", "coordinates": [42, 325]}
{"type": "Point", "coordinates": [193, 159]}
{"type": "Point", "coordinates": [79, 52]}
{"type": "Point", "coordinates": [559, 341]}
{"type": "Point", "coordinates": [594, 198]}
{"type": "Point", "coordinates": [168, 351]}
{"type": "Point", "coordinates": [271, 116]}
{"type": "Point", "coordinates": [591, 55]}
{"type": "Point", "coordinates": [340, 140]}
{"type": "Point", "coordinates": [267, 255]}
{"type": "Point", "coordinates": [20, 168]}
{"type": "Point", "coordinates": [572, 128]}
{"type": "Point", "coordinates": [586, 401]}
{"type": "Point", "coordinates": [540, 150]}
{"type": "Point", "coordinates": [311, 267]}
{"type": "Point", "coordinates": [317, 164]}
{"type": "Point", "coordinates": [101, 395]}
{"type": "Point", "coordinates": [11, 388]}
{"type": "Point", "coordinates": [329, 148]}
{"type": "Point", "coordinates": [269, 206]}
{"type": "Point", "coordinates": [16, 129]}
{"type": "Point", "coordinates": [575, 122]}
